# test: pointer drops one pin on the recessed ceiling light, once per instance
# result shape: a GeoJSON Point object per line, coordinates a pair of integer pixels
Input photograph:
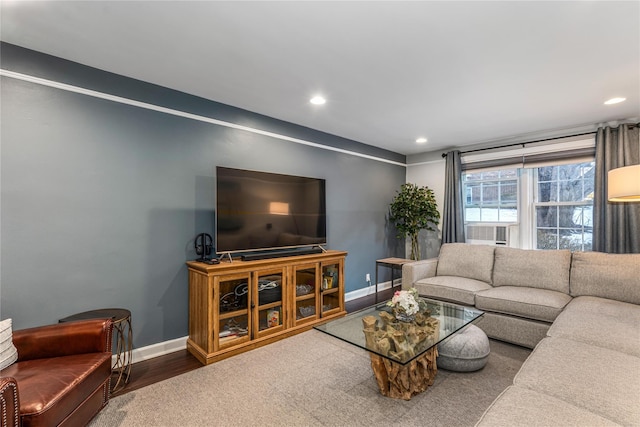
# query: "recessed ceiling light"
{"type": "Point", "coordinates": [318, 100]}
{"type": "Point", "coordinates": [421, 140]}
{"type": "Point", "coordinates": [614, 101]}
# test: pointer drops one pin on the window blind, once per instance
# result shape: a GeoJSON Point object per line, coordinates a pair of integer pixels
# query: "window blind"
{"type": "Point", "coordinates": [531, 155]}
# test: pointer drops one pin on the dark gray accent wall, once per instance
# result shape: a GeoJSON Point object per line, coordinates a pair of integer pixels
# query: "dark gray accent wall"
{"type": "Point", "coordinates": [15, 58]}
{"type": "Point", "coordinates": [100, 201]}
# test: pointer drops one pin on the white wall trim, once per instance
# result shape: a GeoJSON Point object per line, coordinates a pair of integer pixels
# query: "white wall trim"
{"type": "Point", "coordinates": [156, 350]}
{"type": "Point", "coordinates": [369, 290]}
{"type": "Point", "coordinates": [425, 163]}
{"type": "Point", "coordinates": [145, 105]}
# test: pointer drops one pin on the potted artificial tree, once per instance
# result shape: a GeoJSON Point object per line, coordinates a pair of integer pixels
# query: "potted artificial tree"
{"type": "Point", "coordinates": [413, 209]}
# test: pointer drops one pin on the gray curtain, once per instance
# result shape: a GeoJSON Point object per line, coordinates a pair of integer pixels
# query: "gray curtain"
{"type": "Point", "coordinates": [452, 215]}
{"type": "Point", "coordinates": [616, 225]}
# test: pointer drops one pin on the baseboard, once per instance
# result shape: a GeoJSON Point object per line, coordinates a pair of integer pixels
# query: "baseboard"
{"type": "Point", "coordinates": [166, 347]}
{"type": "Point", "coordinates": [156, 350]}
{"type": "Point", "coordinates": [369, 290]}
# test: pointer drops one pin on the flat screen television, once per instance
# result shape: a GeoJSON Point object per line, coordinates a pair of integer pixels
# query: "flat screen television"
{"type": "Point", "coordinates": [266, 211]}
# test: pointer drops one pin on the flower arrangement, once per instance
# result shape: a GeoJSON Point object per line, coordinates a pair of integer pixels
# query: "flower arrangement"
{"type": "Point", "coordinates": [406, 304]}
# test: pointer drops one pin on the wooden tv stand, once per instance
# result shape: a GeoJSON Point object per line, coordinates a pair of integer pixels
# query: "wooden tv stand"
{"type": "Point", "coordinates": [236, 306]}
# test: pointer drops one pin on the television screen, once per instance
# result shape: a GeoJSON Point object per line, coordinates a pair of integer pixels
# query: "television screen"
{"type": "Point", "coordinates": [260, 210]}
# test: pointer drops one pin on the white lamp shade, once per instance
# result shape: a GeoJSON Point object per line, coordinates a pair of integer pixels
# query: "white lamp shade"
{"type": "Point", "coordinates": [623, 184]}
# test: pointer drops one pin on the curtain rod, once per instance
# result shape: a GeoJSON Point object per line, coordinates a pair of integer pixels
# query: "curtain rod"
{"type": "Point", "coordinates": [522, 143]}
{"type": "Point", "coordinates": [631, 125]}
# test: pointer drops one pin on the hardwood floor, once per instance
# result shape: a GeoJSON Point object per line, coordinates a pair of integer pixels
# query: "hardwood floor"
{"type": "Point", "coordinates": [170, 365]}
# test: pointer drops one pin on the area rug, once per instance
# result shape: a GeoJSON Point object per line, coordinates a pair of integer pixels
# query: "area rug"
{"type": "Point", "coordinates": [310, 379]}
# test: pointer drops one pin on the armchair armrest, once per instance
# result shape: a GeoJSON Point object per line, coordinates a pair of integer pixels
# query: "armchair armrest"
{"type": "Point", "coordinates": [414, 271]}
{"type": "Point", "coordinates": [64, 339]}
{"type": "Point", "coordinates": [9, 403]}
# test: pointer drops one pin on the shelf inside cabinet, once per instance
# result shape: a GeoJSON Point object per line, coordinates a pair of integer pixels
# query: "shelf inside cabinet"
{"type": "Point", "coordinates": [231, 338]}
{"type": "Point", "coordinates": [300, 317]}
{"type": "Point", "coordinates": [231, 314]}
{"type": "Point", "coordinates": [270, 305]}
{"type": "Point", "coordinates": [270, 319]}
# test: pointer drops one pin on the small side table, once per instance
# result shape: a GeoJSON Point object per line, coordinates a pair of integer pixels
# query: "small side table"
{"type": "Point", "coordinates": [395, 264]}
{"type": "Point", "coordinates": [124, 340]}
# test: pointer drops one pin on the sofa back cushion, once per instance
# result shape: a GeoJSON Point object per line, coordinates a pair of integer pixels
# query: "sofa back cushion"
{"type": "Point", "coordinates": [532, 268]}
{"type": "Point", "coordinates": [465, 260]}
{"type": "Point", "coordinates": [612, 276]}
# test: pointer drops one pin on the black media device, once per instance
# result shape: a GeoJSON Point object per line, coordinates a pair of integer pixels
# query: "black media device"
{"type": "Point", "coordinates": [262, 211]}
{"type": "Point", "coordinates": [204, 245]}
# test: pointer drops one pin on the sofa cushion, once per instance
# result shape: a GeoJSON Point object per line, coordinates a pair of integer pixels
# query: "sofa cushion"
{"type": "Point", "coordinates": [518, 406]}
{"type": "Point", "coordinates": [613, 276]}
{"type": "Point", "coordinates": [601, 322]}
{"type": "Point", "coordinates": [516, 330]}
{"type": "Point", "coordinates": [532, 303]}
{"type": "Point", "coordinates": [532, 268]}
{"type": "Point", "coordinates": [451, 288]}
{"type": "Point", "coordinates": [465, 260]}
{"type": "Point", "coordinates": [600, 380]}
{"type": "Point", "coordinates": [46, 399]}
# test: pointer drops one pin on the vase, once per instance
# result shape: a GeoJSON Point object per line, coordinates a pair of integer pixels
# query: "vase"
{"type": "Point", "coordinates": [404, 317]}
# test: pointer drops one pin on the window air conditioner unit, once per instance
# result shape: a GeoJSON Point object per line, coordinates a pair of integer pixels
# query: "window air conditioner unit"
{"type": "Point", "coordinates": [496, 234]}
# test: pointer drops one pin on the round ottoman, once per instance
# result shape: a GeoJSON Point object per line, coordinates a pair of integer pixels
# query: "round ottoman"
{"type": "Point", "coordinates": [466, 351]}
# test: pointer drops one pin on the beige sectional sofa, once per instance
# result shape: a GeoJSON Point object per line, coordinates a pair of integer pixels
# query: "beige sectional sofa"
{"type": "Point", "coordinates": [580, 312]}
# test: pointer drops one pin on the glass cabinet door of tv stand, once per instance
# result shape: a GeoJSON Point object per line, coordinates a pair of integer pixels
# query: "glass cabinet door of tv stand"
{"type": "Point", "coordinates": [269, 290]}
{"type": "Point", "coordinates": [234, 319]}
{"type": "Point", "coordinates": [330, 292]}
{"type": "Point", "coordinates": [306, 299]}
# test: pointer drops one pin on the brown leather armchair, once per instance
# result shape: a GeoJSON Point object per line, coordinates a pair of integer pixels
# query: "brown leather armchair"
{"type": "Point", "coordinates": [61, 377]}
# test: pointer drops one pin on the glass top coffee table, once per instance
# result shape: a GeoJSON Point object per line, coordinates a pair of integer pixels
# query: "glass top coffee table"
{"type": "Point", "coordinates": [403, 353]}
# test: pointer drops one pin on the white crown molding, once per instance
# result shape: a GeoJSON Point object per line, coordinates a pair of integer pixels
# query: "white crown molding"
{"type": "Point", "coordinates": [145, 105]}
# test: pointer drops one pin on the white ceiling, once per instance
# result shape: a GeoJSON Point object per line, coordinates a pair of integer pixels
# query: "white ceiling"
{"type": "Point", "coordinates": [458, 73]}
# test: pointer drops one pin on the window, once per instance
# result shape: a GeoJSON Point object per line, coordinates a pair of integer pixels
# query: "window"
{"type": "Point", "coordinates": [556, 203]}
{"type": "Point", "coordinates": [563, 205]}
{"type": "Point", "coordinates": [491, 196]}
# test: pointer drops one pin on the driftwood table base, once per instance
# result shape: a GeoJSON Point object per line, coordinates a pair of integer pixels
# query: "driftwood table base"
{"type": "Point", "coordinates": [402, 340]}
{"type": "Point", "coordinates": [405, 381]}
